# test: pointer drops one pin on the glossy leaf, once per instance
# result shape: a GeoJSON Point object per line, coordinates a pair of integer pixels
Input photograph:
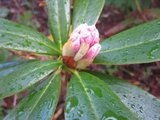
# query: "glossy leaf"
{"type": "Point", "coordinates": [140, 44]}
{"type": "Point", "coordinates": [41, 104]}
{"type": "Point", "coordinates": [9, 67]}
{"type": "Point", "coordinates": [5, 65]}
{"type": "Point", "coordinates": [87, 11]}
{"type": "Point", "coordinates": [18, 37]}
{"type": "Point", "coordinates": [25, 76]}
{"type": "Point", "coordinates": [142, 103]}
{"type": "Point", "coordinates": [59, 20]}
{"type": "Point", "coordinates": [89, 98]}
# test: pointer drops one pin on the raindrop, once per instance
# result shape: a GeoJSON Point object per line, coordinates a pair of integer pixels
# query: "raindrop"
{"type": "Point", "coordinates": [21, 114]}
{"type": "Point", "coordinates": [71, 104]}
{"type": "Point", "coordinates": [132, 106]}
{"type": "Point", "coordinates": [80, 113]}
{"type": "Point", "coordinates": [152, 52]}
{"type": "Point", "coordinates": [94, 91]}
{"type": "Point", "coordinates": [154, 99]}
{"type": "Point", "coordinates": [51, 103]}
{"type": "Point", "coordinates": [110, 118]}
{"type": "Point", "coordinates": [90, 91]}
{"type": "Point", "coordinates": [124, 96]}
{"type": "Point", "coordinates": [106, 116]}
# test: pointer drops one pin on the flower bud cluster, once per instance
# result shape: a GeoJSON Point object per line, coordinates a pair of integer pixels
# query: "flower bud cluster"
{"type": "Point", "coordinates": [82, 47]}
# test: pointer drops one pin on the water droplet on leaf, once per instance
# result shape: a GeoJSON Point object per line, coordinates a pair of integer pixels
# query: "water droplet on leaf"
{"type": "Point", "coordinates": [71, 104]}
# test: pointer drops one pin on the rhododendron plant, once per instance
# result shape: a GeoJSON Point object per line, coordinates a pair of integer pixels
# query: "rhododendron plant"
{"type": "Point", "coordinates": [92, 94]}
{"type": "Point", "coordinates": [82, 46]}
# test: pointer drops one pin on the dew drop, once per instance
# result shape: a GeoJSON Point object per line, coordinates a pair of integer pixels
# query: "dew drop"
{"type": "Point", "coordinates": [80, 113]}
{"type": "Point", "coordinates": [124, 96]}
{"type": "Point", "coordinates": [152, 52]}
{"type": "Point", "coordinates": [71, 104]}
{"type": "Point", "coordinates": [90, 91]}
{"type": "Point", "coordinates": [132, 106]}
{"type": "Point", "coordinates": [110, 118]}
{"type": "Point", "coordinates": [109, 115]}
{"type": "Point", "coordinates": [51, 103]}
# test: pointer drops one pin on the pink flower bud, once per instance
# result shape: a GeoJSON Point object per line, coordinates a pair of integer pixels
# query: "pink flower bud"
{"type": "Point", "coordinates": [83, 45]}
{"type": "Point", "coordinates": [84, 34]}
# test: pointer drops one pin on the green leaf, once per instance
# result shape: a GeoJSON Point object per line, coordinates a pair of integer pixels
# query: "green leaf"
{"type": "Point", "coordinates": [18, 37]}
{"type": "Point", "coordinates": [140, 44]}
{"type": "Point", "coordinates": [10, 67]}
{"type": "Point", "coordinates": [86, 11]}
{"type": "Point", "coordinates": [89, 98]}
{"type": "Point", "coordinates": [25, 76]}
{"type": "Point", "coordinates": [5, 65]}
{"type": "Point", "coordinates": [41, 104]}
{"type": "Point", "coordinates": [137, 100]}
{"type": "Point", "coordinates": [59, 20]}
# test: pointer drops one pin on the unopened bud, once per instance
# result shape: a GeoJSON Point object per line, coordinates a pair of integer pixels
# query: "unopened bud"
{"type": "Point", "coordinates": [83, 46]}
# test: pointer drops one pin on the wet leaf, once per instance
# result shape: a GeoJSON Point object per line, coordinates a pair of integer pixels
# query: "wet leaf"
{"type": "Point", "coordinates": [89, 98]}
{"type": "Point", "coordinates": [59, 20]}
{"type": "Point", "coordinates": [18, 37]}
{"type": "Point", "coordinates": [86, 11]}
{"type": "Point", "coordinates": [140, 44]}
{"type": "Point", "coordinates": [25, 75]}
{"type": "Point", "coordinates": [5, 65]}
{"type": "Point", "coordinates": [41, 104]}
{"type": "Point", "coordinates": [9, 67]}
{"type": "Point", "coordinates": [137, 100]}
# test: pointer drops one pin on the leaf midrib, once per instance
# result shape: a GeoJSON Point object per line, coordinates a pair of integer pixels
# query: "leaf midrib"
{"type": "Point", "coordinates": [90, 101]}
{"type": "Point", "coordinates": [32, 72]}
{"type": "Point", "coordinates": [29, 37]}
{"type": "Point", "coordinates": [127, 46]}
{"type": "Point", "coordinates": [41, 96]}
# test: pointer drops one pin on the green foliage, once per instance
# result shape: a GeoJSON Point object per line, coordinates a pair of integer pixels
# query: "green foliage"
{"type": "Point", "coordinates": [41, 103]}
{"type": "Point", "coordinates": [18, 37]}
{"type": "Point", "coordinates": [86, 11]}
{"type": "Point", "coordinates": [140, 44]}
{"type": "Point", "coordinates": [89, 97]}
{"type": "Point", "coordinates": [146, 106]}
{"type": "Point", "coordinates": [59, 20]}
{"type": "Point", "coordinates": [24, 76]}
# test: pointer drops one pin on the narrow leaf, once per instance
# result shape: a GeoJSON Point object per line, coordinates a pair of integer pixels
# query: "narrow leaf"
{"type": "Point", "coordinates": [59, 20]}
{"type": "Point", "coordinates": [137, 100]}
{"type": "Point", "coordinates": [86, 11]}
{"type": "Point", "coordinates": [89, 98]}
{"type": "Point", "coordinates": [4, 65]}
{"type": "Point", "coordinates": [9, 67]}
{"type": "Point", "coordinates": [18, 37]}
{"type": "Point", "coordinates": [25, 76]}
{"type": "Point", "coordinates": [41, 104]}
{"type": "Point", "coordinates": [140, 44]}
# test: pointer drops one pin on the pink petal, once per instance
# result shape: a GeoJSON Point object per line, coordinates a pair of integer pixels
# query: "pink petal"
{"type": "Point", "coordinates": [76, 45]}
{"type": "Point", "coordinates": [93, 51]}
